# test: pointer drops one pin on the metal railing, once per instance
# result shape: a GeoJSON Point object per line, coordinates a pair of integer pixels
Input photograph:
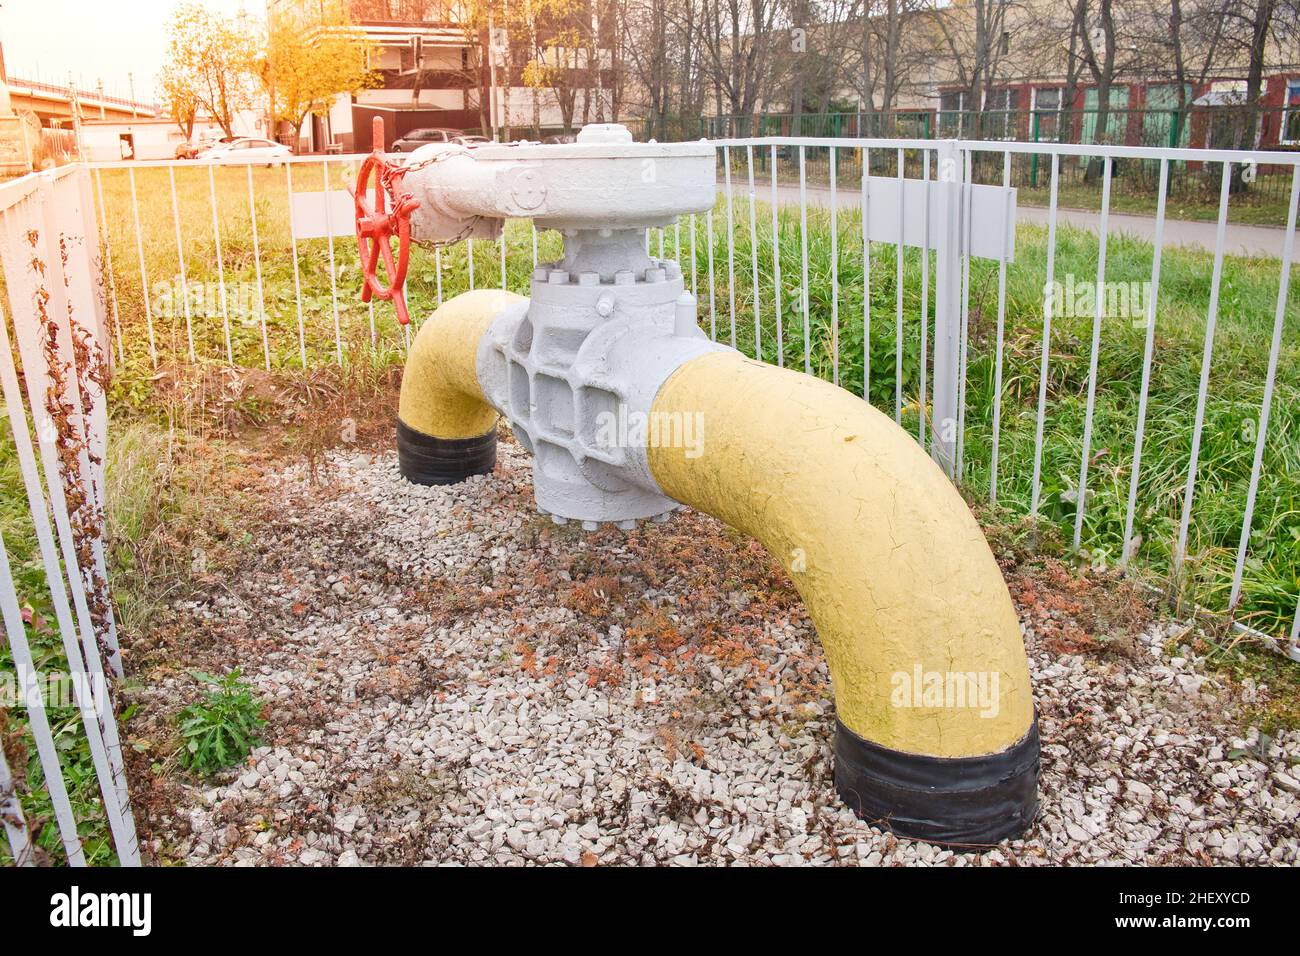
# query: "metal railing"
{"type": "Point", "coordinates": [914, 277]}
{"type": "Point", "coordinates": [48, 247]}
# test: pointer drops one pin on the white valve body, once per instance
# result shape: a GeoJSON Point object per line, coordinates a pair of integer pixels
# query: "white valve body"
{"type": "Point", "coordinates": [576, 371]}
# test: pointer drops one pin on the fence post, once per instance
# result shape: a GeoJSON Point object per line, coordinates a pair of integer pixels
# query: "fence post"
{"type": "Point", "coordinates": [947, 303]}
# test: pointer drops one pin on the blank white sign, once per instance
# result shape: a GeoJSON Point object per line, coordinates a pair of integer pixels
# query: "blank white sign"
{"type": "Point", "coordinates": [309, 218]}
{"type": "Point", "coordinates": [993, 215]}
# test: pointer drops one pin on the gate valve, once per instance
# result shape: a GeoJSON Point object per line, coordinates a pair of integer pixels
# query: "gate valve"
{"type": "Point", "coordinates": [377, 222]}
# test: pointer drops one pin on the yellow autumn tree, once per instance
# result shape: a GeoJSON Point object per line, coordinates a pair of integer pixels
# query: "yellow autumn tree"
{"type": "Point", "coordinates": [210, 65]}
{"type": "Point", "coordinates": [309, 62]}
{"type": "Point", "coordinates": [179, 97]}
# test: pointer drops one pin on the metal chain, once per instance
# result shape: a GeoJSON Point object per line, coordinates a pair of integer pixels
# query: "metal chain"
{"type": "Point", "coordinates": [389, 171]}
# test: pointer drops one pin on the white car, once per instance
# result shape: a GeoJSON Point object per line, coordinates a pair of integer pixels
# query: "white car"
{"type": "Point", "coordinates": [246, 149]}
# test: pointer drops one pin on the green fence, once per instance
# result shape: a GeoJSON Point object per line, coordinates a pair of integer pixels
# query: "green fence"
{"type": "Point", "coordinates": [1222, 127]}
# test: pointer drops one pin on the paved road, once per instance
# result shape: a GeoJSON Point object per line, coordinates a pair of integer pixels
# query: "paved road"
{"type": "Point", "coordinates": [1240, 240]}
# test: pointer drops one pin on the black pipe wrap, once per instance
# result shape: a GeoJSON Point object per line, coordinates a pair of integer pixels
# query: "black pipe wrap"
{"type": "Point", "coordinates": [426, 460]}
{"type": "Point", "coordinates": [954, 801]}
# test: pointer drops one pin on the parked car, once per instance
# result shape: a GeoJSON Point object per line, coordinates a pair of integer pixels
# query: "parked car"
{"type": "Point", "coordinates": [416, 138]}
{"type": "Point", "coordinates": [246, 149]}
{"type": "Point", "coordinates": [471, 140]}
{"type": "Point", "coordinates": [559, 139]}
{"type": "Point", "coordinates": [192, 148]}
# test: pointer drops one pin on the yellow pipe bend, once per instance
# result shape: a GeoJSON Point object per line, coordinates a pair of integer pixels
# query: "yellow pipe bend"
{"type": "Point", "coordinates": [446, 431]}
{"type": "Point", "coordinates": [440, 391]}
{"type": "Point", "coordinates": [891, 564]}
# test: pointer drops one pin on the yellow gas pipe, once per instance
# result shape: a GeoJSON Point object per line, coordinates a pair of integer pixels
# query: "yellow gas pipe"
{"type": "Point", "coordinates": [937, 737]}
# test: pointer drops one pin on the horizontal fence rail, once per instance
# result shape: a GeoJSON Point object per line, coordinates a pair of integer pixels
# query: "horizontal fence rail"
{"type": "Point", "coordinates": [1138, 394]}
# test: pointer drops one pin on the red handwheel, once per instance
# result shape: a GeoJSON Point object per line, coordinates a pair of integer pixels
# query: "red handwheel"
{"type": "Point", "coordinates": [388, 215]}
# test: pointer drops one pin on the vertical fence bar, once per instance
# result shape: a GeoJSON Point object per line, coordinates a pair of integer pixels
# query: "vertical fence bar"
{"type": "Point", "coordinates": [38, 722]}
{"type": "Point", "coordinates": [107, 246]}
{"type": "Point", "coordinates": [293, 251]}
{"type": "Point", "coordinates": [1295, 630]}
{"type": "Point", "coordinates": [92, 700]}
{"type": "Point", "coordinates": [504, 285]}
{"type": "Point", "coordinates": [963, 351]}
{"type": "Point", "coordinates": [221, 268]}
{"type": "Point", "coordinates": [1148, 352]}
{"type": "Point", "coordinates": [731, 248]}
{"type": "Point", "coordinates": [180, 260]}
{"type": "Point", "coordinates": [835, 271]}
{"type": "Point", "coordinates": [257, 266]}
{"type": "Point", "coordinates": [713, 294]}
{"type": "Point", "coordinates": [144, 277]}
{"type": "Point", "coordinates": [1048, 293]}
{"type": "Point", "coordinates": [866, 275]}
{"type": "Point", "coordinates": [11, 815]}
{"type": "Point", "coordinates": [437, 270]}
{"type": "Point", "coordinates": [947, 305]}
{"type": "Point", "coordinates": [803, 247]}
{"type": "Point", "coordinates": [695, 272]}
{"type": "Point", "coordinates": [921, 404]}
{"type": "Point", "coordinates": [1001, 328]}
{"type": "Point", "coordinates": [1270, 378]}
{"type": "Point", "coordinates": [753, 252]}
{"type": "Point", "coordinates": [67, 211]}
{"type": "Point", "coordinates": [1081, 504]}
{"type": "Point", "coordinates": [776, 266]}
{"type": "Point", "coordinates": [334, 290]}
{"type": "Point", "coordinates": [898, 298]}
{"type": "Point", "coordinates": [1207, 356]}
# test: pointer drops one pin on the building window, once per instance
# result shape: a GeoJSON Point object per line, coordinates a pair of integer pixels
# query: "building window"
{"type": "Point", "coordinates": [1000, 114]}
{"type": "Point", "coordinates": [951, 106]}
{"type": "Point", "coordinates": [1006, 43]}
{"type": "Point", "coordinates": [1045, 125]}
{"type": "Point", "coordinates": [1291, 115]}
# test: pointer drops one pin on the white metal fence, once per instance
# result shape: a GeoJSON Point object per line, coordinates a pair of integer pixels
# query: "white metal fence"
{"type": "Point", "coordinates": [48, 249]}
{"type": "Point", "coordinates": [908, 271]}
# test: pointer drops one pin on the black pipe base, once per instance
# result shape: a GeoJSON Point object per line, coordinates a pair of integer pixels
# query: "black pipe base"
{"type": "Point", "coordinates": [953, 801]}
{"type": "Point", "coordinates": [426, 460]}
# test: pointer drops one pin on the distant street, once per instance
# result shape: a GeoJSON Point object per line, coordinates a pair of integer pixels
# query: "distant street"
{"type": "Point", "coordinates": [1242, 240]}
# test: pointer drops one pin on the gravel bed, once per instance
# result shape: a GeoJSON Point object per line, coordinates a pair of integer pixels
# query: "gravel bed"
{"type": "Point", "coordinates": [452, 679]}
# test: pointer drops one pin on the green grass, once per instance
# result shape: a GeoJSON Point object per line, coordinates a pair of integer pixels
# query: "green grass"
{"type": "Point", "coordinates": [143, 459]}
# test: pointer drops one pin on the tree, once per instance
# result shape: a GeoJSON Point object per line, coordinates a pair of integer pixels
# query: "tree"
{"type": "Point", "coordinates": [213, 59]}
{"type": "Point", "coordinates": [972, 36]}
{"type": "Point", "coordinates": [306, 66]}
{"type": "Point", "coordinates": [1254, 29]}
{"type": "Point", "coordinates": [179, 97]}
{"type": "Point", "coordinates": [739, 42]}
{"type": "Point", "coordinates": [561, 53]}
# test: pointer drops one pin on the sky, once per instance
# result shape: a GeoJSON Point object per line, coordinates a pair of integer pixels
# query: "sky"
{"type": "Point", "coordinates": [91, 40]}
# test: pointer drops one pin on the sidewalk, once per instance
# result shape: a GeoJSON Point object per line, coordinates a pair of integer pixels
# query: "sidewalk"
{"type": "Point", "coordinates": [1240, 240]}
